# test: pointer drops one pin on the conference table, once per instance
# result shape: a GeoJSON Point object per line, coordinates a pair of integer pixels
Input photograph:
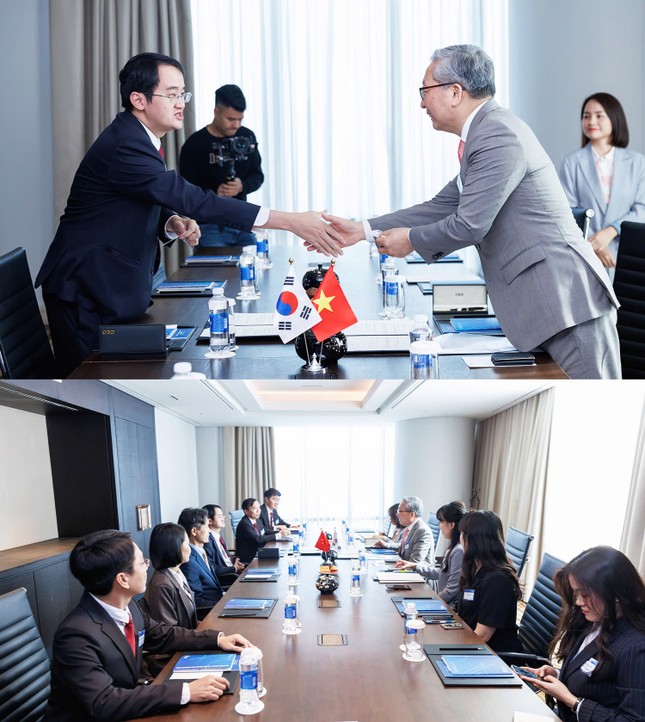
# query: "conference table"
{"type": "Point", "coordinates": [266, 357]}
{"type": "Point", "coordinates": [367, 680]}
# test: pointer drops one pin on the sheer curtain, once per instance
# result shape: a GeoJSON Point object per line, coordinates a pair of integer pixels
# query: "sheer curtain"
{"type": "Point", "coordinates": [331, 90]}
{"type": "Point", "coordinates": [511, 456]}
{"type": "Point", "coordinates": [91, 40]}
{"type": "Point", "coordinates": [327, 474]}
{"type": "Point", "coordinates": [632, 542]}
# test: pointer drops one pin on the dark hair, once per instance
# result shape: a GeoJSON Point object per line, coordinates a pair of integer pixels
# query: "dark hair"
{"type": "Point", "coordinates": [141, 75]}
{"type": "Point", "coordinates": [248, 503]}
{"type": "Point", "coordinates": [165, 545]}
{"type": "Point", "coordinates": [99, 557]}
{"type": "Point", "coordinates": [453, 513]}
{"type": "Point", "coordinates": [608, 575]}
{"type": "Point", "coordinates": [616, 115]}
{"type": "Point", "coordinates": [210, 510]}
{"type": "Point", "coordinates": [484, 547]}
{"type": "Point", "coordinates": [231, 96]}
{"type": "Point", "coordinates": [192, 517]}
{"type": "Point", "coordinates": [271, 491]}
{"type": "Point", "coordinates": [392, 513]}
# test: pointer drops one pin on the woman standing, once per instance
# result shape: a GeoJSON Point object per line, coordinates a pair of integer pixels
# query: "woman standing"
{"type": "Point", "coordinates": [449, 573]}
{"type": "Point", "coordinates": [489, 586]}
{"type": "Point", "coordinates": [600, 640]}
{"type": "Point", "coordinates": [604, 176]}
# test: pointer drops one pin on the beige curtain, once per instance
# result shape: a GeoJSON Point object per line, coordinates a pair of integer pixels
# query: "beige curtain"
{"type": "Point", "coordinates": [632, 542]}
{"type": "Point", "coordinates": [248, 454]}
{"type": "Point", "coordinates": [511, 458]}
{"type": "Point", "coordinates": [91, 40]}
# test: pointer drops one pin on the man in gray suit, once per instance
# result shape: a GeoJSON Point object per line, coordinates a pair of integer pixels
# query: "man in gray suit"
{"type": "Point", "coordinates": [546, 284]}
{"type": "Point", "coordinates": [417, 542]}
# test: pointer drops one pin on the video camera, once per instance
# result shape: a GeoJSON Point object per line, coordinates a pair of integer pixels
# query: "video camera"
{"type": "Point", "coordinates": [227, 151]}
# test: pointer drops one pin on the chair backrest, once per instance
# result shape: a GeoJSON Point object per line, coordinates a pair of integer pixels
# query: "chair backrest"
{"type": "Point", "coordinates": [517, 547]}
{"type": "Point", "coordinates": [433, 523]}
{"type": "Point", "coordinates": [235, 515]}
{"type": "Point", "coordinates": [542, 609]}
{"type": "Point", "coordinates": [24, 664]}
{"type": "Point", "coordinates": [583, 217]}
{"type": "Point", "coordinates": [629, 283]}
{"type": "Point", "coordinates": [25, 352]}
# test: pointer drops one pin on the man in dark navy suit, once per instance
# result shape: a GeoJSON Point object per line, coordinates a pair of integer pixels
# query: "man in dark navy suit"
{"type": "Point", "coordinates": [251, 534]}
{"type": "Point", "coordinates": [100, 266]}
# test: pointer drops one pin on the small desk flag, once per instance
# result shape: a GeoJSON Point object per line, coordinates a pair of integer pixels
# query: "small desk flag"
{"type": "Point", "coordinates": [323, 542]}
{"type": "Point", "coordinates": [333, 307]}
{"type": "Point", "coordinates": [294, 313]}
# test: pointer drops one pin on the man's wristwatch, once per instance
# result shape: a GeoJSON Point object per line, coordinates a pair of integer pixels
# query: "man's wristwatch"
{"type": "Point", "coordinates": [576, 705]}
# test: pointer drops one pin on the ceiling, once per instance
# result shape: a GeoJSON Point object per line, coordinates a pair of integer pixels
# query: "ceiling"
{"type": "Point", "coordinates": [273, 403]}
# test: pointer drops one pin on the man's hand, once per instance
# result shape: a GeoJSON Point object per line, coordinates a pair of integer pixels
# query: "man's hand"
{"type": "Point", "coordinates": [208, 688]}
{"type": "Point", "coordinates": [239, 567]}
{"type": "Point", "coordinates": [402, 564]}
{"type": "Point", "coordinates": [186, 229]}
{"type": "Point", "coordinates": [230, 189]}
{"type": "Point", "coordinates": [394, 242]}
{"type": "Point", "coordinates": [233, 642]}
{"type": "Point", "coordinates": [318, 235]}
{"type": "Point", "coordinates": [284, 531]}
{"type": "Point", "coordinates": [379, 544]}
{"type": "Point", "coordinates": [351, 231]}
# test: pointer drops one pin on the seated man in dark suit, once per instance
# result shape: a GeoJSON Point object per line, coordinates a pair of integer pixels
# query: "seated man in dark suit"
{"type": "Point", "coordinates": [98, 648]}
{"type": "Point", "coordinates": [225, 567]}
{"type": "Point", "coordinates": [251, 534]}
{"type": "Point", "coordinates": [199, 572]}
{"type": "Point", "coordinates": [269, 511]}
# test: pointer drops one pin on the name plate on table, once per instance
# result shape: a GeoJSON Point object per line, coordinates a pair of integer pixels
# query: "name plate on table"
{"type": "Point", "coordinates": [137, 340]}
{"type": "Point", "coordinates": [459, 298]}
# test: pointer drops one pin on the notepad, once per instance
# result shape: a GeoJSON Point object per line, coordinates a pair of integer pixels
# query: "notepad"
{"type": "Point", "coordinates": [181, 286]}
{"type": "Point", "coordinates": [211, 260]}
{"type": "Point", "coordinates": [247, 603]}
{"type": "Point", "coordinates": [399, 576]}
{"type": "Point", "coordinates": [475, 325]}
{"type": "Point", "coordinates": [474, 665]}
{"type": "Point", "coordinates": [192, 666]}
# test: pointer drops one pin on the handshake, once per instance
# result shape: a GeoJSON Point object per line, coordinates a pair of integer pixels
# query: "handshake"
{"type": "Point", "coordinates": [329, 234]}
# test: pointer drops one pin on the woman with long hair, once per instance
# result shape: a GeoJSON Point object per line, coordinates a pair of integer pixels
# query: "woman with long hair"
{"type": "Point", "coordinates": [490, 589]}
{"type": "Point", "coordinates": [449, 573]}
{"type": "Point", "coordinates": [604, 176]}
{"type": "Point", "coordinates": [600, 640]}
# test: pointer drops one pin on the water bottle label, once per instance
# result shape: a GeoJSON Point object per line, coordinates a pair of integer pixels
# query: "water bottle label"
{"type": "Point", "coordinates": [296, 547]}
{"type": "Point", "coordinates": [410, 630]}
{"type": "Point", "coordinates": [421, 361]}
{"type": "Point", "coordinates": [219, 322]}
{"type": "Point", "coordinates": [262, 246]}
{"type": "Point", "coordinates": [356, 578]}
{"type": "Point", "coordinates": [248, 273]}
{"type": "Point", "coordinates": [292, 570]}
{"type": "Point", "coordinates": [249, 679]}
{"type": "Point", "coordinates": [391, 288]}
{"type": "Point", "coordinates": [290, 611]}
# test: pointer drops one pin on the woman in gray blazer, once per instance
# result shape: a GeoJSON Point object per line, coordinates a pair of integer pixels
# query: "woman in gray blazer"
{"type": "Point", "coordinates": [604, 176]}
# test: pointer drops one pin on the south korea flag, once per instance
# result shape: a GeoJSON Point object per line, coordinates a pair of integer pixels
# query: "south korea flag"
{"type": "Point", "coordinates": [294, 313]}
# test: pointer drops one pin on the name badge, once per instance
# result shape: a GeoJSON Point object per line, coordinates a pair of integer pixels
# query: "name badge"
{"type": "Point", "coordinates": [469, 595]}
{"type": "Point", "coordinates": [589, 666]}
{"type": "Point", "coordinates": [141, 638]}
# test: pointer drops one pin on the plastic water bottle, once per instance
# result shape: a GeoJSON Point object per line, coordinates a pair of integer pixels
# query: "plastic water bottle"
{"type": "Point", "coordinates": [249, 703]}
{"type": "Point", "coordinates": [296, 546]}
{"type": "Point", "coordinates": [293, 571]}
{"type": "Point", "coordinates": [420, 330]}
{"type": "Point", "coordinates": [409, 613]}
{"type": "Point", "coordinates": [393, 296]}
{"type": "Point", "coordinates": [362, 559]}
{"type": "Point", "coordinates": [350, 538]}
{"type": "Point", "coordinates": [248, 281]}
{"type": "Point", "coordinates": [414, 640]}
{"type": "Point", "coordinates": [218, 316]}
{"type": "Point", "coordinates": [183, 370]}
{"type": "Point", "coordinates": [383, 258]}
{"type": "Point", "coordinates": [262, 690]}
{"type": "Point", "coordinates": [290, 624]}
{"type": "Point", "coordinates": [424, 360]}
{"type": "Point", "coordinates": [231, 323]}
{"type": "Point", "coordinates": [262, 249]}
{"type": "Point", "coordinates": [355, 589]}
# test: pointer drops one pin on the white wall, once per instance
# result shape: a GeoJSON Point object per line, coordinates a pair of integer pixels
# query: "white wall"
{"type": "Point", "coordinates": [177, 463]}
{"type": "Point", "coordinates": [561, 52]}
{"type": "Point", "coordinates": [209, 465]}
{"type": "Point", "coordinates": [25, 480]}
{"type": "Point", "coordinates": [593, 441]}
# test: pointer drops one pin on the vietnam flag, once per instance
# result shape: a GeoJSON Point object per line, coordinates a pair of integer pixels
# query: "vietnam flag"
{"type": "Point", "coordinates": [323, 542]}
{"type": "Point", "coordinates": [333, 307]}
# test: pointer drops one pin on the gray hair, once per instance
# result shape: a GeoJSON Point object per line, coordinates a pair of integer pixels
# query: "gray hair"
{"type": "Point", "coordinates": [467, 65]}
{"type": "Point", "coordinates": [414, 503]}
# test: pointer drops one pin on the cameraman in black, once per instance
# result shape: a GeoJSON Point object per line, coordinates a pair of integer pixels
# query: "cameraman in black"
{"type": "Point", "coordinates": [224, 157]}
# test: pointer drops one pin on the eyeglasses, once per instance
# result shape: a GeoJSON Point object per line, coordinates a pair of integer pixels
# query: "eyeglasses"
{"type": "Point", "coordinates": [176, 98]}
{"type": "Point", "coordinates": [145, 562]}
{"type": "Point", "coordinates": [403, 511]}
{"type": "Point", "coordinates": [422, 91]}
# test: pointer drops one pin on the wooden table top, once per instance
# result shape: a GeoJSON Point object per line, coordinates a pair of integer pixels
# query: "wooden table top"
{"type": "Point", "coordinates": [367, 680]}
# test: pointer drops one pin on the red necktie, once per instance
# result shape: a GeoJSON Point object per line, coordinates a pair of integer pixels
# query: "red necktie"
{"type": "Point", "coordinates": [271, 520]}
{"type": "Point", "coordinates": [129, 635]}
{"type": "Point", "coordinates": [161, 153]}
{"type": "Point", "coordinates": [255, 526]}
{"type": "Point", "coordinates": [460, 150]}
{"type": "Point", "coordinates": [405, 536]}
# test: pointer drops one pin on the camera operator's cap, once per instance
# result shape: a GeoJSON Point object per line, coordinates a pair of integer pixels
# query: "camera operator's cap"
{"type": "Point", "coordinates": [231, 96]}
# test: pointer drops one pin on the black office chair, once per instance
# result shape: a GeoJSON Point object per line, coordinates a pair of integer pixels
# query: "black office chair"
{"type": "Point", "coordinates": [583, 217]}
{"type": "Point", "coordinates": [24, 664]}
{"type": "Point", "coordinates": [433, 523]}
{"type": "Point", "coordinates": [518, 544]}
{"type": "Point", "coordinates": [629, 283]}
{"type": "Point", "coordinates": [540, 618]}
{"type": "Point", "coordinates": [25, 352]}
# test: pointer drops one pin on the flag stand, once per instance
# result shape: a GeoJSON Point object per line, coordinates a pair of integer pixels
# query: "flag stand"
{"type": "Point", "coordinates": [313, 365]}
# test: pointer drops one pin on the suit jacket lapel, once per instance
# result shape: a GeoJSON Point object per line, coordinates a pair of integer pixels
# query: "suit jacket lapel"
{"type": "Point", "coordinates": [619, 181]}
{"type": "Point", "coordinates": [577, 659]}
{"type": "Point", "coordinates": [187, 602]}
{"type": "Point", "coordinates": [588, 165]}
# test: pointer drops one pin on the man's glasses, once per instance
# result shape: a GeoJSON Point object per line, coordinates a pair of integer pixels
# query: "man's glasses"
{"type": "Point", "coordinates": [176, 98]}
{"type": "Point", "coordinates": [422, 91]}
{"type": "Point", "coordinates": [145, 562]}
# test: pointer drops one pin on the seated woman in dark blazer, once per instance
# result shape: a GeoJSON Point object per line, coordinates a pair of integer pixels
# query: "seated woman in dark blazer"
{"type": "Point", "coordinates": [489, 586]}
{"type": "Point", "coordinates": [600, 640]}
